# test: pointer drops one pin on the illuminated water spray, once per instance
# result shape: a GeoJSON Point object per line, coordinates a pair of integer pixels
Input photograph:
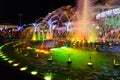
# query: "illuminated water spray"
{"type": "Point", "coordinates": [85, 16]}
{"type": "Point", "coordinates": [84, 30]}
{"type": "Point", "coordinates": [36, 33]}
{"type": "Point", "coordinates": [34, 37]}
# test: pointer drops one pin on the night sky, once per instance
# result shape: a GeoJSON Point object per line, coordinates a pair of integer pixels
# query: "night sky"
{"type": "Point", "coordinates": [31, 10]}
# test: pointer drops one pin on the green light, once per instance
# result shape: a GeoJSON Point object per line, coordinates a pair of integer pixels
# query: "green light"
{"type": "Point", "coordinates": [38, 36]}
{"type": "Point", "coordinates": [6, 59]}
{"type": "Point", "coordinates": [1, 55]}
{"type": "Point", "coordinates": [48, 76]}
{"type": "Point", "coordinates": [26, 54]}
{"type": "Point", "coordinates": [1, 47]}
{"type": "Point", "coordinates": [34, 48]}
{"type": "Point", "coordinates": [4, 56]}
{"type": "Point", "coordinates": [64, 47]}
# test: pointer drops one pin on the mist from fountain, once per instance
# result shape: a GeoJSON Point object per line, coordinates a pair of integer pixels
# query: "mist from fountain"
{"type": "Point", "coordinates": [83, 30]}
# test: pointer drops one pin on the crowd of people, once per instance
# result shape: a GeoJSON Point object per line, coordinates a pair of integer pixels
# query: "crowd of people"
{"type": "Point", "coordinates": [9, 34]}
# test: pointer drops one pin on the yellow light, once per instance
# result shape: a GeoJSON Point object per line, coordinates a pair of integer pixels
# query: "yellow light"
{"type": "Point", "coordinates": [16, 64]}
{"type": "Point", "coordinates": [90, 64]}
{"type": "Point", "coordinates": [42, 51]}
{"type": "Point", "coordinates": [88, 41]}
{"type": "Point", "coordinates": [116, 42]}
{"type": "Point", "coordinates": [37, 50]}
{"type": "Point", "coordinates": [46, 52]}
{"type": "Point", "coordinates": [11, 61]}
{"type": "Point", "coordinates": [104, 41]}
{"type": "Point", "coordinates": [4, 56]}
{"type": "Point", "coordinates": [34, 72]}
{"type": "Point", "coordinates": [110, 44]}
{"type": "Point", "coordinates": [83, 41]}
{"type": "Point", "coordinates": [48, 76]}
{"type": "Point", "coordinates": [34, 37]}
{"type": "Point", "coordinates": [28, 47]}
{"type": "Point", "coordinates": [73, 44]}
{"type": "Point", "coordinates": [23, 68]}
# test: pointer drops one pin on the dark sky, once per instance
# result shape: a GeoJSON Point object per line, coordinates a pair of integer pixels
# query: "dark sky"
{"type": "Point", "coordinates": [30, 9]}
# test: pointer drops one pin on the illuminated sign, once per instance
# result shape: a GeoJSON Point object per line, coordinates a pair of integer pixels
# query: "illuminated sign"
{"type": "Point", "coordinates": [108, 13]}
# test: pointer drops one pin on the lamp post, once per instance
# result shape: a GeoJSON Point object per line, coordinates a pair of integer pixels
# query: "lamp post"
{"type": "Point", "coordinates": [20, 16]}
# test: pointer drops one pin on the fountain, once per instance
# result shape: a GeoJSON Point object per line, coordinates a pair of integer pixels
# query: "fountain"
{"type": "Point", "coordinates": [82, 31]}
{"type": "Point", "coordinates": [43, 52]}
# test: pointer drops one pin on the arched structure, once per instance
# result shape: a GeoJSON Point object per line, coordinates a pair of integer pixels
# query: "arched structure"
{"type": "Point", "coordinates": [61, 22]}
